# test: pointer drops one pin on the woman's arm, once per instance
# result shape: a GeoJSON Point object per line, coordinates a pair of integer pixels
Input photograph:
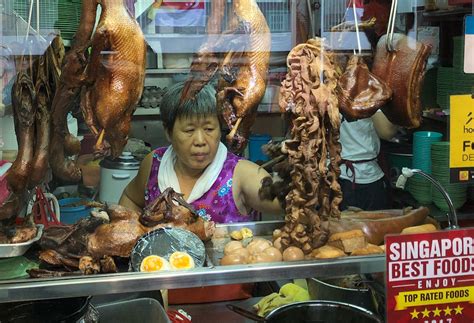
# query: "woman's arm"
{"type": "Point", "coordinates": [384, 128]}
{"type": "Point", "coordinates": [133, 195]}
{"type": "Point", "coordinates": [247, 181]}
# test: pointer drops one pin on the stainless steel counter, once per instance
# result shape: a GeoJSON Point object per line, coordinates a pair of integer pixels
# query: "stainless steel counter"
{"type": "Point", "coordinates": [34, 289]}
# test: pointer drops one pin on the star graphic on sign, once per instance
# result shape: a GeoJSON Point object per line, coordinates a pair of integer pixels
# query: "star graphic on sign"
{"type": "Point", "coordinates": [458, 310]}
{"type": "Point", "coordinates": [426, 313]}
{"type": "Point", "coordinates": [414, 314]}
{"type": "Point", "coordinates": [436, 312]}
{"type": "Point", "coordinates": [447, 310]}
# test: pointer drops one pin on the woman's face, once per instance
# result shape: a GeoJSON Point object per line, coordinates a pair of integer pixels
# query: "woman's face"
{"type": "Point", "coordinates": [195, 141]}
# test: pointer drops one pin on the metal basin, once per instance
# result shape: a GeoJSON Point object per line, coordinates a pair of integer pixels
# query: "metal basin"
{"type": "Point", "coordinates": [321, 311]}
{"type": "Point", "coordinates": [331, 290]}
{"type": "Point", "coordinates": [314, 312]}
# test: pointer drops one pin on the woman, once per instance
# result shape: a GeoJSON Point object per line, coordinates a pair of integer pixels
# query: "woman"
{"type": "Point", "coordinates": [362, 180]}
{"type": "Point", "coordinates": [221, 186]}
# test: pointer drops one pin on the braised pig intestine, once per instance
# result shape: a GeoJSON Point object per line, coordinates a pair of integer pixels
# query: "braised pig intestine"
{"type": "Point", "coordinates": [308, 94]}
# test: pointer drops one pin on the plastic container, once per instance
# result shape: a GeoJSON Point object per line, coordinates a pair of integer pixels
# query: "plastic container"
{"type": "Point", "coordinates": [422, 141]}
{"type": "Point", "coordinates": [255, 147]}
{"type": "Point", "coordinates": [72, 214]}
{"type": "Point", "coordinates": [115, 174]}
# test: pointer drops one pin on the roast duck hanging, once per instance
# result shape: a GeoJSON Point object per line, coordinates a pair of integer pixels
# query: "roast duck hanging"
{"type": "Point", "coordinates": [115, 70]}
{"type": "Point", "coordinates": [114, 77]}
{"type": "Point", "coordinates": [32, 94]}
{"type": "Point", "coordinates": [242, 55]}
{"type": "Point", "coordinates": [63, 144]}
{"type": "Point", "coordinates": [44, 93]}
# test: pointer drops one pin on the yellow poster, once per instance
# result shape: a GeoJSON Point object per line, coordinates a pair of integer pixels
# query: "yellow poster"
{"type": "Point", "coordinates": [461, 148]}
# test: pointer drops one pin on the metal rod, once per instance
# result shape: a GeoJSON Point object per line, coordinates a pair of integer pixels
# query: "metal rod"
{"type": "Point", "coordinates": [452, 216]}
{"type": "Point", "coordinates": [29, 19]}
{"type": "Point", "coordinates": [311, 19]}
{"type": "Point", "coordinates": [37, 17]}
{"type": "Point", "coordinates": [273, 161]}
{"type": "Point", "coordinates": [356, 22]}
{"type": "Point", "coordinates": [391, 26]}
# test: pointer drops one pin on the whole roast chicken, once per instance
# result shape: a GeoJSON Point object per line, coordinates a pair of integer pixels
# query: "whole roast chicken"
{"type": "Point", "coordinates": [114, 76]}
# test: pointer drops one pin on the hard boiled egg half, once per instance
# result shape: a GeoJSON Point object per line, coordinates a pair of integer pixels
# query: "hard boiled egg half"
{"type": "Point", "coordinates": [154, 263]}
{"type": "Point", "coordinates": [181, 260]}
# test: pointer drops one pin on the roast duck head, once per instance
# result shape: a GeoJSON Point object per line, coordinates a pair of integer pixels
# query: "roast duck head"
{"type": "Point", "coordinates": [92, 243]}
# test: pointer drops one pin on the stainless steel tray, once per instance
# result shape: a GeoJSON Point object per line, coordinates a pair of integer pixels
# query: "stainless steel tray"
{"type": "Point", "coordinates": [8, 250]}
{"type": "Point", "coordinates": [31, 289]}
{"type": "Point", "coordinates": [215, 247]}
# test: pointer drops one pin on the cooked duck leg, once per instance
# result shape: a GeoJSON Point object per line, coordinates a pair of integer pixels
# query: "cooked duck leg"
{"type": "Point", "coordinates": [233, 131]}
{"type": "Point", "coordinates": [43, 124]}
{"type": "Point", "coordinates": [24, 108]}
{"type": "Point", "coordinates": [55, 57]}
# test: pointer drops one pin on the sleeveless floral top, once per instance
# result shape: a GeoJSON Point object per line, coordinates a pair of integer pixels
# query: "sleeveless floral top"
{"type": "Point", "coordinates": [217, 204]}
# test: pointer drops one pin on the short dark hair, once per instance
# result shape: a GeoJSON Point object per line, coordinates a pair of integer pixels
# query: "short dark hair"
{"type": "Point", "coordinates": [203, 104]}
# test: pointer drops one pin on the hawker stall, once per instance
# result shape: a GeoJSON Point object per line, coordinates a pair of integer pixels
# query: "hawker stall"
{"type": "Point", "coordinates": [163, 161]}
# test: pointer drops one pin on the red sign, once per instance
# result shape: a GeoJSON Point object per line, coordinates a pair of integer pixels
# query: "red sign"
{"type": "Point", "coordinates": [430, 277]}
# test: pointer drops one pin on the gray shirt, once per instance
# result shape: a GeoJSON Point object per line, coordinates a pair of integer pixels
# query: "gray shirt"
{"type": "Point", "coordinates": [360, 141]}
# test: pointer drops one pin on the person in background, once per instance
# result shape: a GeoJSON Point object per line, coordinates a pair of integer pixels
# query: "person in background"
{"type": "Point", "coordinates": [362, 180]}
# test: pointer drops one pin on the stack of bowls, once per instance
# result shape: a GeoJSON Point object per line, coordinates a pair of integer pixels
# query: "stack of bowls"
{"type": "Point", "coordinates": [418, 186]}
{"type": "Point", "coordinates": [422, 141]}
{"type": "Point", "coordinates": [440, 171]}
{"type": "Point", "coordinates": [420, 189]}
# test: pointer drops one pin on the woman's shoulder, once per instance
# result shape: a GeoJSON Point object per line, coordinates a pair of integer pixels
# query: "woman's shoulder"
{"type": "Point", "coordinates": [152, 157]}
{"type": "Point", "coordinates": [244, 167]}
{"type": "Point", "coordinates": [233, 158]}
{"type": "Point", "coordinates": [159, 152]}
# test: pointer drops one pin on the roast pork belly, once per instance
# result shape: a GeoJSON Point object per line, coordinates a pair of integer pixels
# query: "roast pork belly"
{"type": "Point", "coordinates": [403, 71]}
{"type": "Point", "coordinates": [360, 92]}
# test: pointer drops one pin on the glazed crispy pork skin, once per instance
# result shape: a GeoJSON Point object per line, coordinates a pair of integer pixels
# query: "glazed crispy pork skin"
{"type": "Point", "coordinates": [403, 71]}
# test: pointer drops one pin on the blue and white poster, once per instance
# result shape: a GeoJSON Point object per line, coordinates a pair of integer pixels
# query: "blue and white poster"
{"type": "Point", "coordinates": [469, 45]}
